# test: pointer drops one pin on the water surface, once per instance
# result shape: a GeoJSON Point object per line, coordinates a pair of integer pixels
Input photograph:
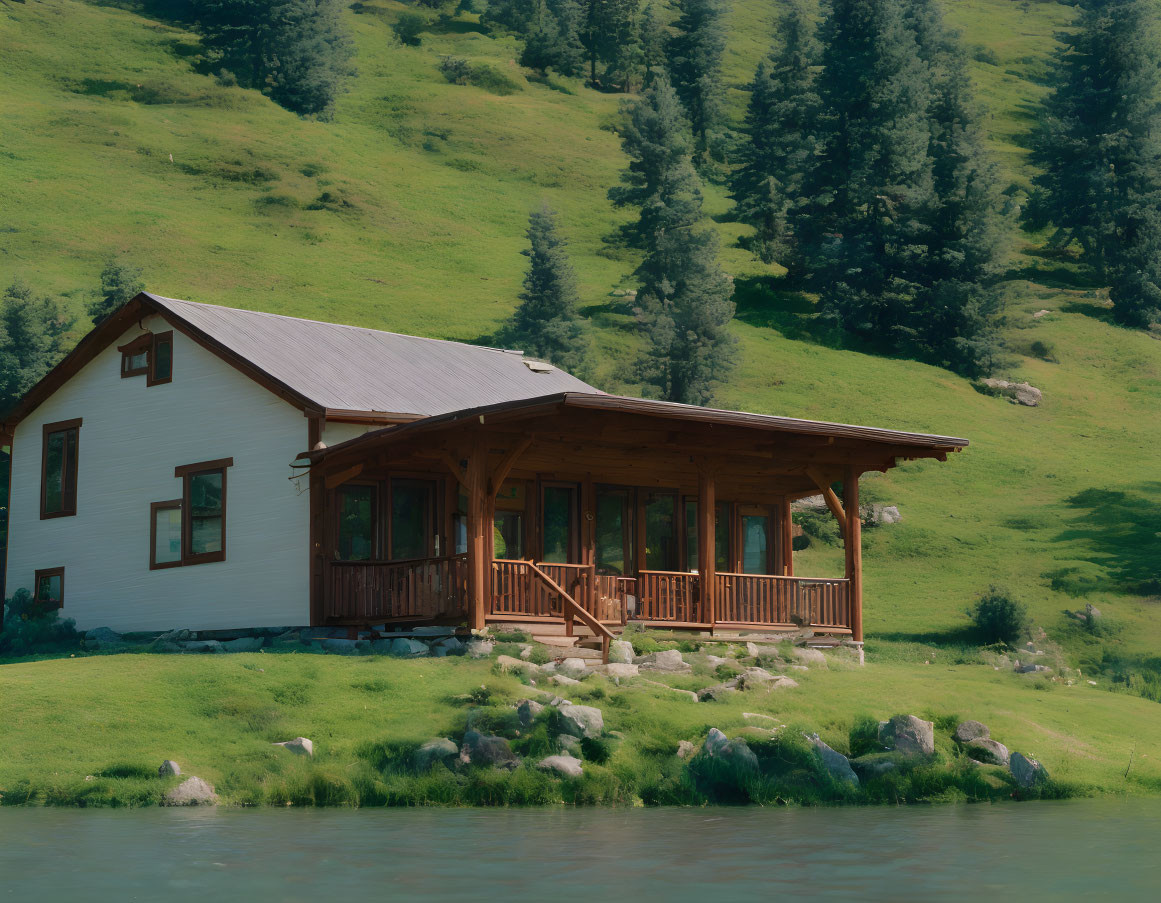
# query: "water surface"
{"type": "Point", "coordinates": [1034, 851]}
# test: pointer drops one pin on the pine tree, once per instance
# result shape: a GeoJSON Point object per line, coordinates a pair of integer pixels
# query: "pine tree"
{"type": "Point", "coordinates": [654, 39]}
{"type": "Point", "coordinates": [547, 323]}
{"type": "Point", "coordinates": [622, 50]}
{"type": "Point", "coordinates": [695, 69]}
{"type": "Point", "coordinates": [684, 304]}
{"type": "Point", "coordinates": [33, 333]}
{"type": "Point", "coordinates": [1100, 150]}
{"type": "Point", "coordinates": [120, 281]}
{"type": "Point", "coordinates": [295, 51]}
{"type": "Point", "coordinates": [780, 144]}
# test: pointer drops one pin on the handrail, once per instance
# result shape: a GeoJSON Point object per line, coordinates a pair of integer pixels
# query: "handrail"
{"type": "Point", "coordinates": [671, 573]}
{"type": "Point", "coordinates": [784, 577]}
{"type": "Point", "coordinates": [607, 636]}
{"type": "Point", "coordinates": [397, 561]}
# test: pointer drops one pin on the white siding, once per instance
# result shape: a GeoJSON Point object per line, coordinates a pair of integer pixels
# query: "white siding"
{"type": "Point", "coordinates": [131, 440]}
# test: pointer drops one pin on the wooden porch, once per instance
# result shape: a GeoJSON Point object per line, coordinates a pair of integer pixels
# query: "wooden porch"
{"type": "Point", "coordinates": [591, 510]}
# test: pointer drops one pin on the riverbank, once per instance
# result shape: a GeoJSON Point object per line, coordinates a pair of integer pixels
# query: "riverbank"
{"type": "Point", "coordinates": [92, 730]}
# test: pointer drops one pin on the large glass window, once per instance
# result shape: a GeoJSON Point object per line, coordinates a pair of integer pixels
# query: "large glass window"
{"type": "Point", "coordinates": [357, 519]}
{"type": "Point", "coordinates": [50, 588]}
{"type": "Point", "coordinates": [755, 544]}
{"type": "Point", "coordinates": [508, 539]}
{"type": "Point", "coordinates": [206, 504]}
{"type": "Point", "coordinates": [661, 532]}
{"type": "Point", "coordinates": [559, 519]}
{"type": "Point", "coordinates": [411, 507]}
{"type": "Point", "coordinates": [58, 491]}
{"type": "Point", "coordinates": [614, 533]}
{"type": "Point", "coordinates": [721, 536]}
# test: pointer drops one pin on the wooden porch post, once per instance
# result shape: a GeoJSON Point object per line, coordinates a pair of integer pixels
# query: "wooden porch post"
{"type": "Point", "coordinates": [479, 544]}
{"type": "Point", "coordinates": [853, 544]}
{"type": "Point", "coordinates": [707, 544]}
{"type": "Point", "coordinates": [787, 539]}
{"type": "Point", "coordinates": [588, 540]}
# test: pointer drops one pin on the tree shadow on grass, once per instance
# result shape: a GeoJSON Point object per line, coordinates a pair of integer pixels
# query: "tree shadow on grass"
{"type": "Point", "coordinates": [1122, 533]}
{"type": "Point", "coordinates": [769, 303]}
{"type": "Point", "coordinates": [955, 636]}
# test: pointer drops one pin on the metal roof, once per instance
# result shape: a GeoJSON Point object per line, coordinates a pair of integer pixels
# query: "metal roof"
{"type": "Point", "coordinates": [350, 368]}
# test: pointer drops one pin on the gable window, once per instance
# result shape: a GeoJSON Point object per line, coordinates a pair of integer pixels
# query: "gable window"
{"type": "Point", "coordinates": [58, 468]}
{"type": "Point", "coordinates": [192, 529]}
{"type": "Point", "coordinates": [149, 355]}
{"type": "Point", "coordinates": [50, 588]}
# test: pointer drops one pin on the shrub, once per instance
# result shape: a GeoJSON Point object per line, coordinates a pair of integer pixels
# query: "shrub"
{"type": "Point", "coordinates": [864, 736]}
{"type": "Point", "coordinates": [408, 28]}
{"type": "Point", "coordinates": [493, 81]}
{"type": "Point", "coordinates": [819, 524]}
{"type": "Point", "coordinates": [597, 750]}
{"type": "Point", "coordinates": [29, 628]}
{"type": "Point", "coordinates": [1046, 351]}
{"type": "Point", "coordinates": [998, 618]}
{"type": "Point", "coordinates": [455, 69]}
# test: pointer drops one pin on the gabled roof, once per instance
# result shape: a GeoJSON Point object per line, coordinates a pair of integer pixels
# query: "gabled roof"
{"type": "Point", "coordinates": [328, 367]}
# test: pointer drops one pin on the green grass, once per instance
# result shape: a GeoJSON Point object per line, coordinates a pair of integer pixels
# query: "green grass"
{"type": "Point", "coordinates": [407, 212]}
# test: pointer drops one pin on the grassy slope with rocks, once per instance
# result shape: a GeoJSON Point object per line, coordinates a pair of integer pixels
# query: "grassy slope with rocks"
{"type": "Point", "coordinates": [407, 213]}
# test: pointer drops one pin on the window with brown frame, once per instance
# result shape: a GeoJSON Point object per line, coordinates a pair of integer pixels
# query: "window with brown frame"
{"type": "Point", "coordinates": [49, 585]}
{"type": "Point", "coordinates": [58, 469]}
{"type": "Point", "coordinates": [165, 534]}
{"type": "Point", "coordinates": [203, 512]}
{"type": "Point", "coordinates": [149, 355]}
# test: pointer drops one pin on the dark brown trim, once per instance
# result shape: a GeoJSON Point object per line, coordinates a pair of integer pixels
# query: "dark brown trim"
{"type": "Point", "coordinates": [314, 433]}
{"type": "Point", "coordinates": [48, 572]}
{"type": "Point", "coordinates": [154, 507]}
{"type": "Point", "coordinates": [217, 464]}
{"type": "Point", "coordinates": [160, 338]}
{"type": "Point", "coordinates": [139, 345]}
{"type": "Point", "coordinates": [345, 415]}
{"type": "Point", "coordinates": [68, 477]}
{"type": "Point", "coordinates": [6, 442]}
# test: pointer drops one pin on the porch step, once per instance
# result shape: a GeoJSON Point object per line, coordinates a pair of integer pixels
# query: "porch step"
{"type": "Point", "coordinates": [560, 641]}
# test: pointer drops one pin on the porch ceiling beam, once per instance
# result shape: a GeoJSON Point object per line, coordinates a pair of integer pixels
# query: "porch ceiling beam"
{"type": "Point", "coordinates": [828, 494]}
{"type": "Point", "coordinates": [500, 474]}
{"type": "Point", "coordinates": [337, 479]}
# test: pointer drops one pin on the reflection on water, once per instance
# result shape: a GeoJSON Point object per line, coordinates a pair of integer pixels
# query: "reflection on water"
{"type": "Point", "coordinates": [1056, 851]}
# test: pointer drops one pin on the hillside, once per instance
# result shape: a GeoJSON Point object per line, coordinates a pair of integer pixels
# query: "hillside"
{"type": "Point", "coordinates": [407, 212]}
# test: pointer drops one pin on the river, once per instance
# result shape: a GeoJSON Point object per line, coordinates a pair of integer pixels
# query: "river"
{"type": "Point", "coordinates": [1031, 851]}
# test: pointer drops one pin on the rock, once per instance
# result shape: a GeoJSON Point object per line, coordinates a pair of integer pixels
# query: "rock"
{"type": "Point", "coordinates": [201, 646]}
{"type": "Point", "coordinates": [508, 663]}
{"type": "Point", "coordinates": [569, 742]}
{"type": "Point", "coordinates": [1026, 770]}
{"type": "Point", "coordinates": [478, 648]}
{"type": "Point", "coordinates": [526, 652]}
{"type": "Point", "coordinates": [1017, 393]}
{"type": "Point", "coordinates": [873, 765]}
{"type": "Point", "coordinates": [1039, 314]}
{"type": "Point", "coordinates": [753, 678]}
{"type": "Point", "coordinates": [852, 652]}
{"type": "Point", "coordinates": [835, 763]}
{"type": "Point", "coordinates": [300, 746]}
{"type": "Point", "coordinates": [757, 716]}
{"type": "Point", "coordinates": [101, 636]}
{"type": "Point", "coordinates": [486, 749]}
{"type": "Point", "coordinates": [988, 751]}
{"type": "Point", "coordinates": [880, 515]}
{"type": "Point", "coordinates": [581, 720]}
{"type": "Point", "coordinates": [561, 681]}
{"type": "Point", "coordinates": [1030, 668]}
{"type": "Point", "coordinates": [718, 746]}
{"type": "Point", "coordinates": [687, 693]}
{"type": "Point", "coordinates": [718, 692]}
{"type": "Point", "coordinates": [967, 731]}
{"type": "Point", "coordinates": [557, 701]}
{"type": "Point", "coordinates": [243, 644]}
{"type": "Point", "coordinates": [433, 630]}
{"type": "Point", "coordinates": [573, 667]}
{"type": "Point", "coordinates": [527, 710]}
{"type": "Point", "coordinates": [191, 792]}
{"type": "Point", "coordinates": [168, 768]}
{"type": "Point", "coordinates": [451, 645]}
{"type": "Point", "coordinates": [618, 670]}
{"type": "Point", "coordinates": [407, 648]}
{"type": "Point", "coordinates": [665, 660]}
{"type": "Point", "coordinates": [715, 741]}
{"type": "Point", "coordinates": [807, 656]}
{"type": "Point", "coordinates": [621, 652]}
{"type": "Point", "coordinates": [753, 650]}
{"type": "Point", "coordinates": [783, 683]}
{"type": "Point", "coordinates": [908, 735]}
{"type": "Point", "coordinates": [685, 749]}
{"type": "Point", "coordinates": [433, 752]}
{"type": "Point", "coordinates": [714, 660]}
{"type": "Point", "coordinates": [1093, 613]}
{"type": "Point", "coordinates": [564, 765]}
{"type": "Point", "coordinates": [799, 668]}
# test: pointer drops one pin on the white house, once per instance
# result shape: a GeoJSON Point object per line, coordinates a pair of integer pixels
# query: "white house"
{"type": "Point", "coordinates": [151, 481]}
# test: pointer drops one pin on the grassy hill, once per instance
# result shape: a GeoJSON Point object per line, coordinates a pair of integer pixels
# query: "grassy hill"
{"type": "Point", "coordinates": [407, 212]}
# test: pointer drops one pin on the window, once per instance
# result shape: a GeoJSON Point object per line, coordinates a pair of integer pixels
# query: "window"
{"type": "Point", "coordinates": [755, 543]}
{"type": "Point", "coordinates": [58, 468]}
{"type": "Point", "coordinates": [660, 531]}
{"type": "Point", "coordinates": [149, 355]}
{"type": "Point", "coordinates": [721, 535]}
{"type": "Point", "coordinates": [559, 524]}
{"type": "Point", "coordinates": [412, 502]}
{"type": "Point", "coordinates": [203, 507]}
{"type": "Point", "coordinates": [165, 534]}
{"type": "Point", "coordinates": [508, 540]}
{"type": "Point", "coordinates": [50, 588]}
{"type": "Point", "coordinates": [358, 515]}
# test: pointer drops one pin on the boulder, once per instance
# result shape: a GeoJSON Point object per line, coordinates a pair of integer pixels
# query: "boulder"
{"type": "Point", "coordinates": [581, 720]}
{"type": "Point", "coordinates": [451, 646]}
{"type": "Point", "coordinates": [201, 646]}
{"type": "Point", "coordinates": [783, 683]}
{"type": "Point", "coordinates": [967, 731]}
{"type": "Point", "coordinates": [191, 792]}
{"type": "Point", "coordinates": [486, 749]}
{"type": "Point", "coordinates": [1031, 668]}
{"type": "Point", "coordinates": [873, 765]}
{"type": "Point", "coordinates": [573, 667]}
{"type": "Point", "coordinates": [381, 647]}
{"type": "Point", "coordinates": [880, 515]}
{"type": "Point", "coordinates": [908, 735]}
{"type": "Point", "coordinates": [300, 746]}
{"type": "Point", "coordinates": [618, 670]}
{"type": "Point", "coordinates": [736, 752]}
{"type": "Point", "coordinates": [561, 681]}
{"type": "Point", "coordinates": [508, 663]}
{"type": "Point", "coordinates": [689, 694]}
{"type": "Point", "coordinates": [1039, 314]}
{"type": "Point", "coordinates": [339, 646]}
{"type": "Point", "coordinates": [1092, 612]}
{"type": "Point", "coordinates": [478, 648]}
{"type": "Point", "coordinates": [685, 749]}
{"type": "Point", "coordinates": [564, 765]}
{"type": "Point", "coordinates": [243, 644]}
{"type": "Point", "coordinates": [718, 692]}
{"type": "Point", "coordinates": [665, 660]}
{"type": "Point", "coordinates": [102, 636]}
{"type": "Point", "coordinates": [433, 630]}
{"type": "Point", "coordinates": [569, 742]}
{"type": "Point", "coordinates": [1026, 770]}
{"type": "Point", "coordinates": [168, 768]}
{"type": "Point", "coordinates": [988, 751]}
{"type": "Point", "coordinates": [807, 656]}
{"type": "Point", "coordinates": [1017, 393]}
{"type": "Point", "coordinates": [753, 650]}
{"type": "Point", "coordinates": [621, 652]}
{"type": "Point", "coordinates": [527, 710]}
{"type": "Point", "coordinates": [408, 648]}
{"type": "Point", "coordinates": [433, 752]}
{"type": "Point", "coordinates": [836, 764]}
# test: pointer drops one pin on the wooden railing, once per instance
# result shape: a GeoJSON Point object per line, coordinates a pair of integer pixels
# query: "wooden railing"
{"type": "Point", "coordinates": [573, 611]}
{"type": "Point", "coordinates": [416, 590]}
{"type": "Point", "coordinates": [516, 591]}
{"type": "Point", "coordinates": [609, 601]}
{"type": "Point", "coordinates": [669, 596]}
{"type": "Point", "coordinates": [764, 599]}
